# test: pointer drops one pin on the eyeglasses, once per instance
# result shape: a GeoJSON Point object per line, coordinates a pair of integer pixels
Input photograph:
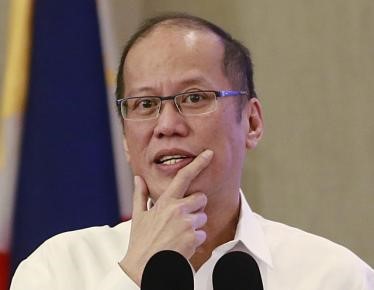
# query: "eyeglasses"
{"type": "Point", "coordinates": [188, 104]}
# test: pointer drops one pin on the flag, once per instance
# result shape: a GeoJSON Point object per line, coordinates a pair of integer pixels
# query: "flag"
{"type": "Point", "coordinates": [66, 177]}
{"type": "Point", "coordinates": [11, 111]}
{"type": "Point", "coordinates": [111, 56]}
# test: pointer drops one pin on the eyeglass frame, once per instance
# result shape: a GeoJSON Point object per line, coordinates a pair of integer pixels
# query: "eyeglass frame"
{"type": "Point", "coordinates": [222, 93]}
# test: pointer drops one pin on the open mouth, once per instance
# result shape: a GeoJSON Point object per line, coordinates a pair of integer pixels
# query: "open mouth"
{"type": "Point", "coordinates": [170, 159]}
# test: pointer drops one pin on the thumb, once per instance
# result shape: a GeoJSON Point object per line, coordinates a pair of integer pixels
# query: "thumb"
{"type": "Point", "coordinates": [140, 196]}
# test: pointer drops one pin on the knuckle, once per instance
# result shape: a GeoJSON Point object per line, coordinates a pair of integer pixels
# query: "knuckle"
{"type": "Point", "coordinates": [188, 224]}
{"type": "Point", "coordinates": [201, 198]}
{"type": "Point", "coordinates": [177, 210]}
{"type": "Point", "coordinates": [164, 202]}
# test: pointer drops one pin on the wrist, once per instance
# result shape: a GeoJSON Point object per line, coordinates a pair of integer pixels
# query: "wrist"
{"type": "Point", "coordinates": [133, 272]}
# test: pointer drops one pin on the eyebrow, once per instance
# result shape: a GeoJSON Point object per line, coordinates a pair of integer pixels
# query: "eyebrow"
{"type": "Point", "coordinates": [181, 85]}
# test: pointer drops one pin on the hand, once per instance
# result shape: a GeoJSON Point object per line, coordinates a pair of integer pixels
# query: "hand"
{"type": "Point", "coordinates": [173, 223]}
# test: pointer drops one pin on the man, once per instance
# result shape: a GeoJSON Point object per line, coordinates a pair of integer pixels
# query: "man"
{"type": "Point", "coordinates": [186, 95]}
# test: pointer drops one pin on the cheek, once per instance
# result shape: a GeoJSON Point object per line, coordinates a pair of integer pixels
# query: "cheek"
{"type": "Point", "coordinates": [222, 139]}
{"type": "Point", "coordinates": [136, 143]}
{"type": "Point", "coordinates": [231, 140]}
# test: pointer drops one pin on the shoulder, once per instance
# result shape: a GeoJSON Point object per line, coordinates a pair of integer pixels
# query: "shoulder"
{"type": "Point", "coordinates": [93, 237]}
{"type": "Point", "coordinates": [76, 259]}
{"type": "Point", "coordinates": [101, 245]}
{"type": "Point", "coordinates": [296, 251]}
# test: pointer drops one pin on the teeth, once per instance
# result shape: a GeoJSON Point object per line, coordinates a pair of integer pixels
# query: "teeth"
{"type": "Point", "coordinates": [171, 159]}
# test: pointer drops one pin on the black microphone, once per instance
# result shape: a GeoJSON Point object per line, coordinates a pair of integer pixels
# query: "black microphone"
{"type": "Point", "coordinates": [237, 271]}
{"type": "Point", "coordinates": [167, 270]}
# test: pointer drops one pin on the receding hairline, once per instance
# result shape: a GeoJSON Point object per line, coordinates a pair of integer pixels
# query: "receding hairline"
{"type": "Point", "coordinates": [179, 21]}
{"type": "Point", "coordinates": [181, 24]}
{"type": "Point", "coordinates": [175, 23]}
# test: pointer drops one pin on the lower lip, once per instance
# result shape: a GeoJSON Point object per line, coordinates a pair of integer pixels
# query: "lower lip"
{"type": "Point", "coordinates": [173, 168]}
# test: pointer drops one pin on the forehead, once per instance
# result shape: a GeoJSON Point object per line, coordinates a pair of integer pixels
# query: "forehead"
{"type": "Point", "coordinates": [174, 55]}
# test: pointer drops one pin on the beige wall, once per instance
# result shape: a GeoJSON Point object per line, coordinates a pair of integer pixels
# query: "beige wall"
{"type": "Point", "coordinates": [314, 64]}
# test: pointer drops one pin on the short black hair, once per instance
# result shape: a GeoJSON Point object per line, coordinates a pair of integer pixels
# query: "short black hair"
{"type": "Point", "coordinates": [237, 63]}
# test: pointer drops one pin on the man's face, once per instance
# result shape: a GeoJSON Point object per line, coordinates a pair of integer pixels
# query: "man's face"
{"type": "Point", "coordinates": [166, 62]}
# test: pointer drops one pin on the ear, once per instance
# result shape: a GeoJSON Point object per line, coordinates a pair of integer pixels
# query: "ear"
{"type": "Point", "coordinates": [255, 123]}
{"type": "Point", "coordinates": [126, 147]}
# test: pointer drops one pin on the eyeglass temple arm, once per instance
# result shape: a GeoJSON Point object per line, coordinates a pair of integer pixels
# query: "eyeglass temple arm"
{"type": "Point", "coordinates": [231, 93]}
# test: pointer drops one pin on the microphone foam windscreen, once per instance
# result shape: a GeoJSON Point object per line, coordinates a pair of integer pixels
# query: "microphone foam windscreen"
{"type": "Point", "coordinates": [237, 271]}
{"type": "Point", "coordinates": [167, 270]}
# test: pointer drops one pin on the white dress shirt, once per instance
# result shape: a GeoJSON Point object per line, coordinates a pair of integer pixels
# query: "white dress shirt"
{"type": "Point", "coordinates": [288, 258]}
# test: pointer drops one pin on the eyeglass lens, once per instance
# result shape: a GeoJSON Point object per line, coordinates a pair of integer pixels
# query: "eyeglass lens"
{"type": "Point", "coordinates": [191, 103]}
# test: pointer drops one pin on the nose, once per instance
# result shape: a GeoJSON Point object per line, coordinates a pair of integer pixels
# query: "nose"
{"type": "Point", "coordinates": [170, 122]}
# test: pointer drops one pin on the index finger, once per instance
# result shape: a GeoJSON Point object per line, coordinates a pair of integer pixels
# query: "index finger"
{"type": "Point", "coordinates": [184, 177]}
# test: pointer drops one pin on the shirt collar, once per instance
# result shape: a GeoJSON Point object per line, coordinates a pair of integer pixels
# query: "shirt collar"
{"type": "Point", "coordinates": [251, 234]}
{"type": "Point", "coordinates": [248, 232]}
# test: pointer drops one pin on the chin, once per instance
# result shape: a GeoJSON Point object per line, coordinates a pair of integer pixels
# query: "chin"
{"type": "Point", "coordinates": [156, 191]}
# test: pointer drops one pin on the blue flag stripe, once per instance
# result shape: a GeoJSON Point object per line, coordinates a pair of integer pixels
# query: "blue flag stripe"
{"type": "Point", "coordinates": [66, 176]}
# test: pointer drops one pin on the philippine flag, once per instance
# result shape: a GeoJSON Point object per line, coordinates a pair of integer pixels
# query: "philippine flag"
{"type": "Point", "coordinates": [58, 132]}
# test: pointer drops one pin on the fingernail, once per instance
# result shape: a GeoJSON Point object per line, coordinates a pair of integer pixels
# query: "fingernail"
{"type": "Point", "coordinates": [207, 154]}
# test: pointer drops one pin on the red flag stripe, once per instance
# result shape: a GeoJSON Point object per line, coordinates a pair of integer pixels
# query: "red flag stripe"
{"type": "Point", "coordinates": [4, 271]}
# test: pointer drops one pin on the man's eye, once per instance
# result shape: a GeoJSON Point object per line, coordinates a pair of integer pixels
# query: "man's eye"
{"type": "Point", "coordinates": [145, 104]}
{"type": "Point", "coordinates": [194, 98]}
